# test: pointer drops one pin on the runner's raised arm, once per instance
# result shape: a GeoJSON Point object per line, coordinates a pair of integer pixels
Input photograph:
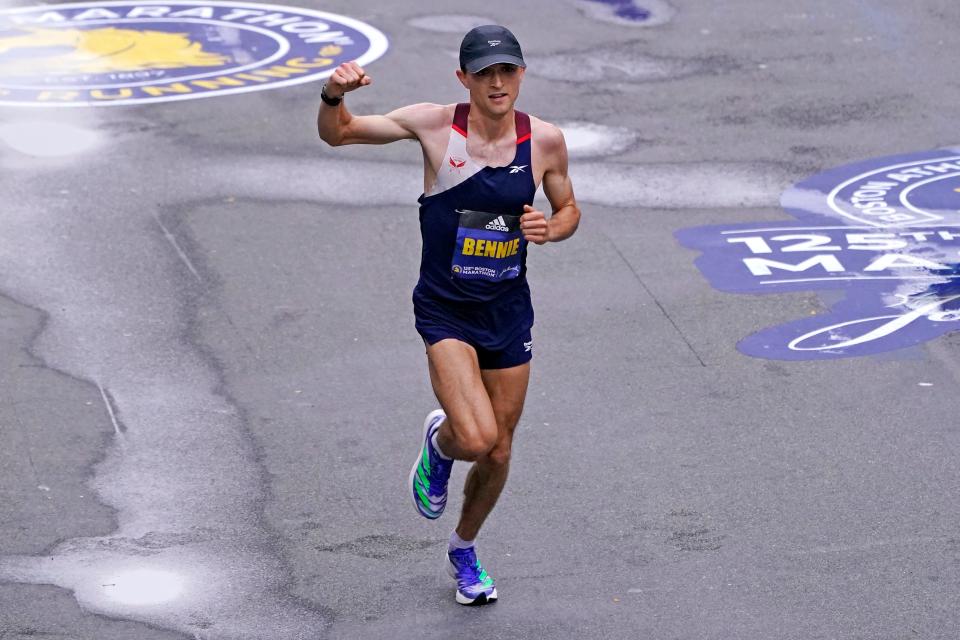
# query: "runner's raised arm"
{"type": "Point", "coordinates": [337, 126]}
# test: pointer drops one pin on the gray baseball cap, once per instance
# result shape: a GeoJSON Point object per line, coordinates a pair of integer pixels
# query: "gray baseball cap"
{"type": "Point", "coordinates": [487, 45]}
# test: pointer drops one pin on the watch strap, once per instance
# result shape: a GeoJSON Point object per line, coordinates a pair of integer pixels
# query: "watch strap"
{"type": "Point", "coordinates": [333, 102]}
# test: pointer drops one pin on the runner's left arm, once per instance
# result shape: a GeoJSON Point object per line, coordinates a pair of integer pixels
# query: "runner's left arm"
{"type": "Point", "coordinates": [558, 188]}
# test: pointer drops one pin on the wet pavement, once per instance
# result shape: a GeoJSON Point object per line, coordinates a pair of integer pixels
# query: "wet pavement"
{"type": "Point", "coordinates": [212, 389]}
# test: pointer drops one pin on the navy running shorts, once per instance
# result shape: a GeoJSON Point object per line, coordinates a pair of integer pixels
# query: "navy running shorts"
{"type": "Point", "coordinates": [514, 353]}
{"type": "Point", "coordinates": [499, 330]}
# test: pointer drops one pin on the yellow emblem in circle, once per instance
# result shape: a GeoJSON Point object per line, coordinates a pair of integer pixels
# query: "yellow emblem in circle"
{"type": "Point", "coordinates": [123, 52]}
{"type": "Point", "coordinates": [103, 50]}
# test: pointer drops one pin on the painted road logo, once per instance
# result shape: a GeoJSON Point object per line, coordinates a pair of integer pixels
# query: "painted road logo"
{"type": "Point", "coordinates": [885, 232]}
{"type": "Point", "coordinates": [111, 53]}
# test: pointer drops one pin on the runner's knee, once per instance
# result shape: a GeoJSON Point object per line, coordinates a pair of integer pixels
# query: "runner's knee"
{"type": "Point", "coordinates": [500, 454]}
{"type": "Point", "coordinates": [476, 439]}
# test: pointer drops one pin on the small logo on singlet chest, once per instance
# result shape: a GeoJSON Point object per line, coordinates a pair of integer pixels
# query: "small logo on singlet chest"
{"type": "Point", "coordinates": [517, 168]}
{"type": "Point", "coordinates": [456, 164]}
{"type": "Point", "coordinates": [498, 225]}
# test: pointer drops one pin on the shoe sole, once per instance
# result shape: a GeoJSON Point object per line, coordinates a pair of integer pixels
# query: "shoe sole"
{"type": "Point", "coordinates": [480, 600]}
{"type": "Point", "coordinates": [413, 472]}
{"type": "Point", "coordinates": [483, 598]}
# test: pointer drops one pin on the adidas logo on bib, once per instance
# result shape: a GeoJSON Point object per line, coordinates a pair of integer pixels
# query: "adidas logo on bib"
{"type": "Point", "coordinates": [498, 225]}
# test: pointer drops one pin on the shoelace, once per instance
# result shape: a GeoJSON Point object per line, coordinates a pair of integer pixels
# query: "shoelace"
{"type": "Point", "coordinates": [469, 571]}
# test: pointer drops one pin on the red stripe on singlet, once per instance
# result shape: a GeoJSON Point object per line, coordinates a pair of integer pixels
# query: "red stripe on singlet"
{"type": "Point", "coordinates": [522, 123]}
{"type": "Point", "coordinates": [460, 118]}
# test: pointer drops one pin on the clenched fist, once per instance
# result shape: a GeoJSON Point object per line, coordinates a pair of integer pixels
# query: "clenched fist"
{"type": "Point", "coordinates": [534, 225]}
{"type": "Point", "coordinates": [347, 77]}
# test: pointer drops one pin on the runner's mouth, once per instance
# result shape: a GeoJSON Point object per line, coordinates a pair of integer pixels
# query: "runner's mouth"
{"type": "Point", "coordinates": [495, 96]}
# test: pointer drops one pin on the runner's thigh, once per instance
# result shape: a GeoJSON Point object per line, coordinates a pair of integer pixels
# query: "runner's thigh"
{"type": "Point", "coordinates": [507, 390]}
{"type": "Point", "coordinates": [455, 376]}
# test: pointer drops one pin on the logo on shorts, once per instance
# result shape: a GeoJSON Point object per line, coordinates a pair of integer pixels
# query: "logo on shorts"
{"type": "Point", "coordinates": [528, 346]}
{"type": "Point", "coordinates": [120, 52]}
{"type": "Point", "coordinates": [499, 224]}
{"type": "Point", "coordinates": [886, 232]}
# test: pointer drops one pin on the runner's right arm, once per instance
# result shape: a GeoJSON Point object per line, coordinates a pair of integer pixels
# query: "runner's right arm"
{"type": "Point", "coordinates": [337, 126]}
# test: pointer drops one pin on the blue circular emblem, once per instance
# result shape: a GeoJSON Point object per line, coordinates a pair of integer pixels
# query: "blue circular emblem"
{"type": "Point", "coordinates": [884, 232]}
{"type": "Point", "coordinates": [112, 53]}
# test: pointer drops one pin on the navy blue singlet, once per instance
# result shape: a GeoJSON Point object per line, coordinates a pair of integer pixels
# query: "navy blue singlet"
{"type": "Point", "coordinates": [473, 265]}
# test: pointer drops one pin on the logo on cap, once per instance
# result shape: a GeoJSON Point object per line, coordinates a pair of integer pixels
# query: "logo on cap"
{"type": "Point", "coordinates": [475, 53]}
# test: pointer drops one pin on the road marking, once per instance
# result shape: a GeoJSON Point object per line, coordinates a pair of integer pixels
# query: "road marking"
{"type": "Point", "coordinates": [113, 417]}
{"type": "Point", "coordinates": [173, 241]}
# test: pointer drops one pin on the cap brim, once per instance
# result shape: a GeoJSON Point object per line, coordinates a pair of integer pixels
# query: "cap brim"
{"type": "Point", "coordinates": [500, 58]}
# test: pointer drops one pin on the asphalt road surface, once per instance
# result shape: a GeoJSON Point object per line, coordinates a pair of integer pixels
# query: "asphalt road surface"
{"type": "Point", "coordinates": [211, 388]}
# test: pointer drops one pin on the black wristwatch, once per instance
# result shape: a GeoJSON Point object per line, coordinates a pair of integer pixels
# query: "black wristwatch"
{"type": "Point", "coordinates": [333, 102]}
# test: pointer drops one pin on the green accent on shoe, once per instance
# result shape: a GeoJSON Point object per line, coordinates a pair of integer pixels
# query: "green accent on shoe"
{"type": "Point", "coordinates": [423, 498]}
{"type": "Point", "coordinates": [426, 460]}
{"type": "Point", "coordinates": [423, 477]}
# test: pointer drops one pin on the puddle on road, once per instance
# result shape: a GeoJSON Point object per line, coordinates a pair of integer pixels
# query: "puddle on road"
{"type": "Point", "coordinates": [182, 472]}
{"type": "Point", "coordinates": [48, 138]}
{"type": "Point", "coordinates": [587, 140]}
{"type": "Point", "coordinates": [207, 590]}
{"type": "Point", "coordinates": [695, 185]}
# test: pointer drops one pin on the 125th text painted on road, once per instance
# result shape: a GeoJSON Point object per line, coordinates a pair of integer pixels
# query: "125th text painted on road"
{"type": "Point", "coordinates": [885, 231]}
{"type": "Point", "coordinates": [111, 53]}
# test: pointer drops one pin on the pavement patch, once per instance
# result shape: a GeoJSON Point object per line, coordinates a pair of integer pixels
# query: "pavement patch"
{"type": "Point", "coordinates": [626, 63]}
{"type": "Point", "coordinates": [449, 23]}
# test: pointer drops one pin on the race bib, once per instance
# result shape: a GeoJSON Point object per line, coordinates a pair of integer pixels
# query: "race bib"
{"type": "Point", "coordinates": [488, 246]}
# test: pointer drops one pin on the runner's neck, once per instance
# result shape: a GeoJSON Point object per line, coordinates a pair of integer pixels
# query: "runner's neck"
{"type": "Point", "coordinates": [491, 128]}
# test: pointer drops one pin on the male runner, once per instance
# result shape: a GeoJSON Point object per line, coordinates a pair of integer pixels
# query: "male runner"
{"type": "Point", "coordinates": [483, 162]}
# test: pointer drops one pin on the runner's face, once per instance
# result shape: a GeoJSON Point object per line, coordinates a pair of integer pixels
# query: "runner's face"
{"type": "Point", "coordinates": [494, 88]}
